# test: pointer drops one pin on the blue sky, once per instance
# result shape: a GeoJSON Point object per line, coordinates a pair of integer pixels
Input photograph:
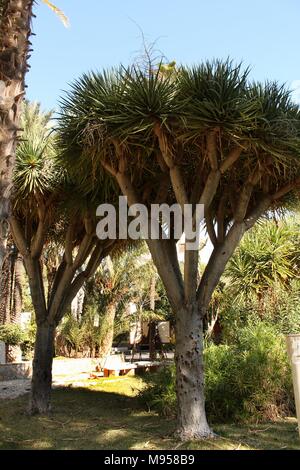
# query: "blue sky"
{"type": "Point", "coordinates": [264, 34]}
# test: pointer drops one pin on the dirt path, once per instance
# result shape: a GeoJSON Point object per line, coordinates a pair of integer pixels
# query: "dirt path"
{"type": "Point", "coordinates": [15, 388]}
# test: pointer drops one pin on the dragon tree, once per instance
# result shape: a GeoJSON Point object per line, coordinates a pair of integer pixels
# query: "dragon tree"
{"type": "Point", "coordinates": [201, 135]}
{"type": "Point", "coordinates": [49, 208]}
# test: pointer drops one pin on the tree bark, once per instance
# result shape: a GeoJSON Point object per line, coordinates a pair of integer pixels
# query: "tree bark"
{"type": "Point", "coordinates": [191, 417]}
{"type": "Point", "coordinates": [107, 330]}
{"type": "Point", "coordinates": [152, 343]}
{"type": "Point", "coordinates": [17, 300]}
{"type": "Point", "coordinates": [5, 289]}
{"type": "Point", "coordinates": [42, 369]}
{"type": "Point", "coordinates": [15, 18]}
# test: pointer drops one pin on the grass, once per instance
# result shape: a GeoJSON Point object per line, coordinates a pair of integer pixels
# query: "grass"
{"type": "Point", "coordinates": [106, 414]}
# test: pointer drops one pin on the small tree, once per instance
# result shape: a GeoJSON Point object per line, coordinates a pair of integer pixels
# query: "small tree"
{"type": "Point", "coordinates": [201, 135]}
{"type": "Point", "coordinates": [47, 205]}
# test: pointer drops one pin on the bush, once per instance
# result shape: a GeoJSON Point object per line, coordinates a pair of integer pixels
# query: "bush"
{"type": "Point", "coordinates": [27, 345]}
{"type": "Point", "coordinates": [279, 307]}
{"type": "Point", "coordinates": [160, 393]}
{"type": "Point", "coordinates": [249, 380]}
{"type": "Point", "coordinates": [12, 334]}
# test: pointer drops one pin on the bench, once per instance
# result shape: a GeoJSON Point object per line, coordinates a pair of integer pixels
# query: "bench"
{"type": "Point", "coordinates": [128, 368]}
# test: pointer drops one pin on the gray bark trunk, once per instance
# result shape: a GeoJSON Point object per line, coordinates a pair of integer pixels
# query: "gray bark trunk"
{"type": "Point", "coordinates": [192, 423]}
{"type": "Point", "coordinates": [42, 370]}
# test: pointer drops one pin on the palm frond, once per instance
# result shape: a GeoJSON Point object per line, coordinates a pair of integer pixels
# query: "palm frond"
{"type": "Point", "coordinates": [64, 19]}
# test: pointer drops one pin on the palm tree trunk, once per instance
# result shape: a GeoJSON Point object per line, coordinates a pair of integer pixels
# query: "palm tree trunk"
{"type": "Point", "coordinates": [16, 302]}
{"type": "Point", "coordinates": [17, 291]}
{"type": "Point", "coordinates": [152, 326]}
{"type": "Point", "coordinates": [5, 289]}
{"type": "Point", "coordinates": [107, 330]}
{"type": "Point", "coordinates": [15, 19]}
{"type": "Point", "coordinates": [11, 297]}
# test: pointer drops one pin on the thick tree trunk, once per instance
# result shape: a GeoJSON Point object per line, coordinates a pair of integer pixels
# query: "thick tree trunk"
{"type": "Point", "coordinates": [107, 332]}
{"type": "Point", "coordinates": [42, 369]}
{"type": "Point", "coordinates": [15, 18]}
{"type": "Point", "coordinates": [11, 297]}
{"type": "Point", "coordinates": [192, 423]}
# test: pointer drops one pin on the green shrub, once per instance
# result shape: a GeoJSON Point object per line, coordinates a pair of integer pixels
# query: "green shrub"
{"type": "Point", "coordinates": [12, 334]}
{"type": "Point", "coordinates": [160, 393]}
{"type": "Point", "coordinates": [222, 395]}
{"type": "Point", "coordinates": [279, 307]}
{"type": "Point", "coordinates": [27, 345]}
{"type": "Point", "coordinates": [249, 380]}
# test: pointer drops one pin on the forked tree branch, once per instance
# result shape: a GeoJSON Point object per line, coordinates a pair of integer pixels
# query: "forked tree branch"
{"type": "Point", "coordinates": [212, 150]}
{"type": "Point", "coordinates": [174, 170]}
{"type": "Point", "coordinates": [231, 158]}
{"type": "Point", "coordinates": [18, 235]}
{"type": "Point", "coordinates": [245, 196]}
{"type": "Point", "coordinates": [216, 264]}
{"type": "Point", "coordinates": [69, 242]}
{"type": "Point", "coordinates": [220, 218]}
{"type": "Point", "coordinates": [210, 228]}
{"type": "Point", "coordinates": [286, 189]}
{"type": "Point", "coordinates": [164, 255]}
{"type": "Point", "coordinates": [71, 291]}
{"type": "Point", "coordinates": [224, 251]}
{"type": "Point", "coordinates": [163, 252]}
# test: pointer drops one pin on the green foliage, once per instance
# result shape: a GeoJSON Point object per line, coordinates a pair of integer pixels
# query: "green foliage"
{"type": "Point", "coordinates": [36, 169]}
{"type": "Point", "coordinates": [278, 307]}
{"type": "Point", "coordinates": [73, 332]}
{"type": "Point", "coordinates": [12, 334]}
{"type": "Point", "coordinates": [261, 281]}
{"type": "Point", "coordinates": [27, 345]}
{"type": "Point", "coordinates": [120, 112]}
{"type": "Point", "coordinates": [248, 380]}
{"type": "Point", "coordinates": [268, 254]}
{"type": "Point", "coordinates": [121, 279]}
{"type": "Point", "coordinates": [160, 393]}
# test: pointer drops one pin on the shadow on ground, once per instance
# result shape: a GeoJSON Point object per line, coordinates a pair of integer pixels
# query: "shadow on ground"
{"type": "Point", "coordinates": [109, 415]}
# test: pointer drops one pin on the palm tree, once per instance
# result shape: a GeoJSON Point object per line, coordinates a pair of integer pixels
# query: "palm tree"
{"type": "Point", "coordinates": [119, 280]}
{"type": "Point", "coordinates": [33, 123]}
{"type": "Point", "coordinates": [202, 136]}
{"type": "Point", "coordinates": [15, 48]}
{"type": "Point", "coordinates": [15, 19]}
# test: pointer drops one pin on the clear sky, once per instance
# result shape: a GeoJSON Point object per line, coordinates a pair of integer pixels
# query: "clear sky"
{"type": "Point", "coordinates": [264, 34]}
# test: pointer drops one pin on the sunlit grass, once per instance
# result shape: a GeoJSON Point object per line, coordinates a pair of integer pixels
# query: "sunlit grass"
{"type": "Point", "coordinates": [107, 414]}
